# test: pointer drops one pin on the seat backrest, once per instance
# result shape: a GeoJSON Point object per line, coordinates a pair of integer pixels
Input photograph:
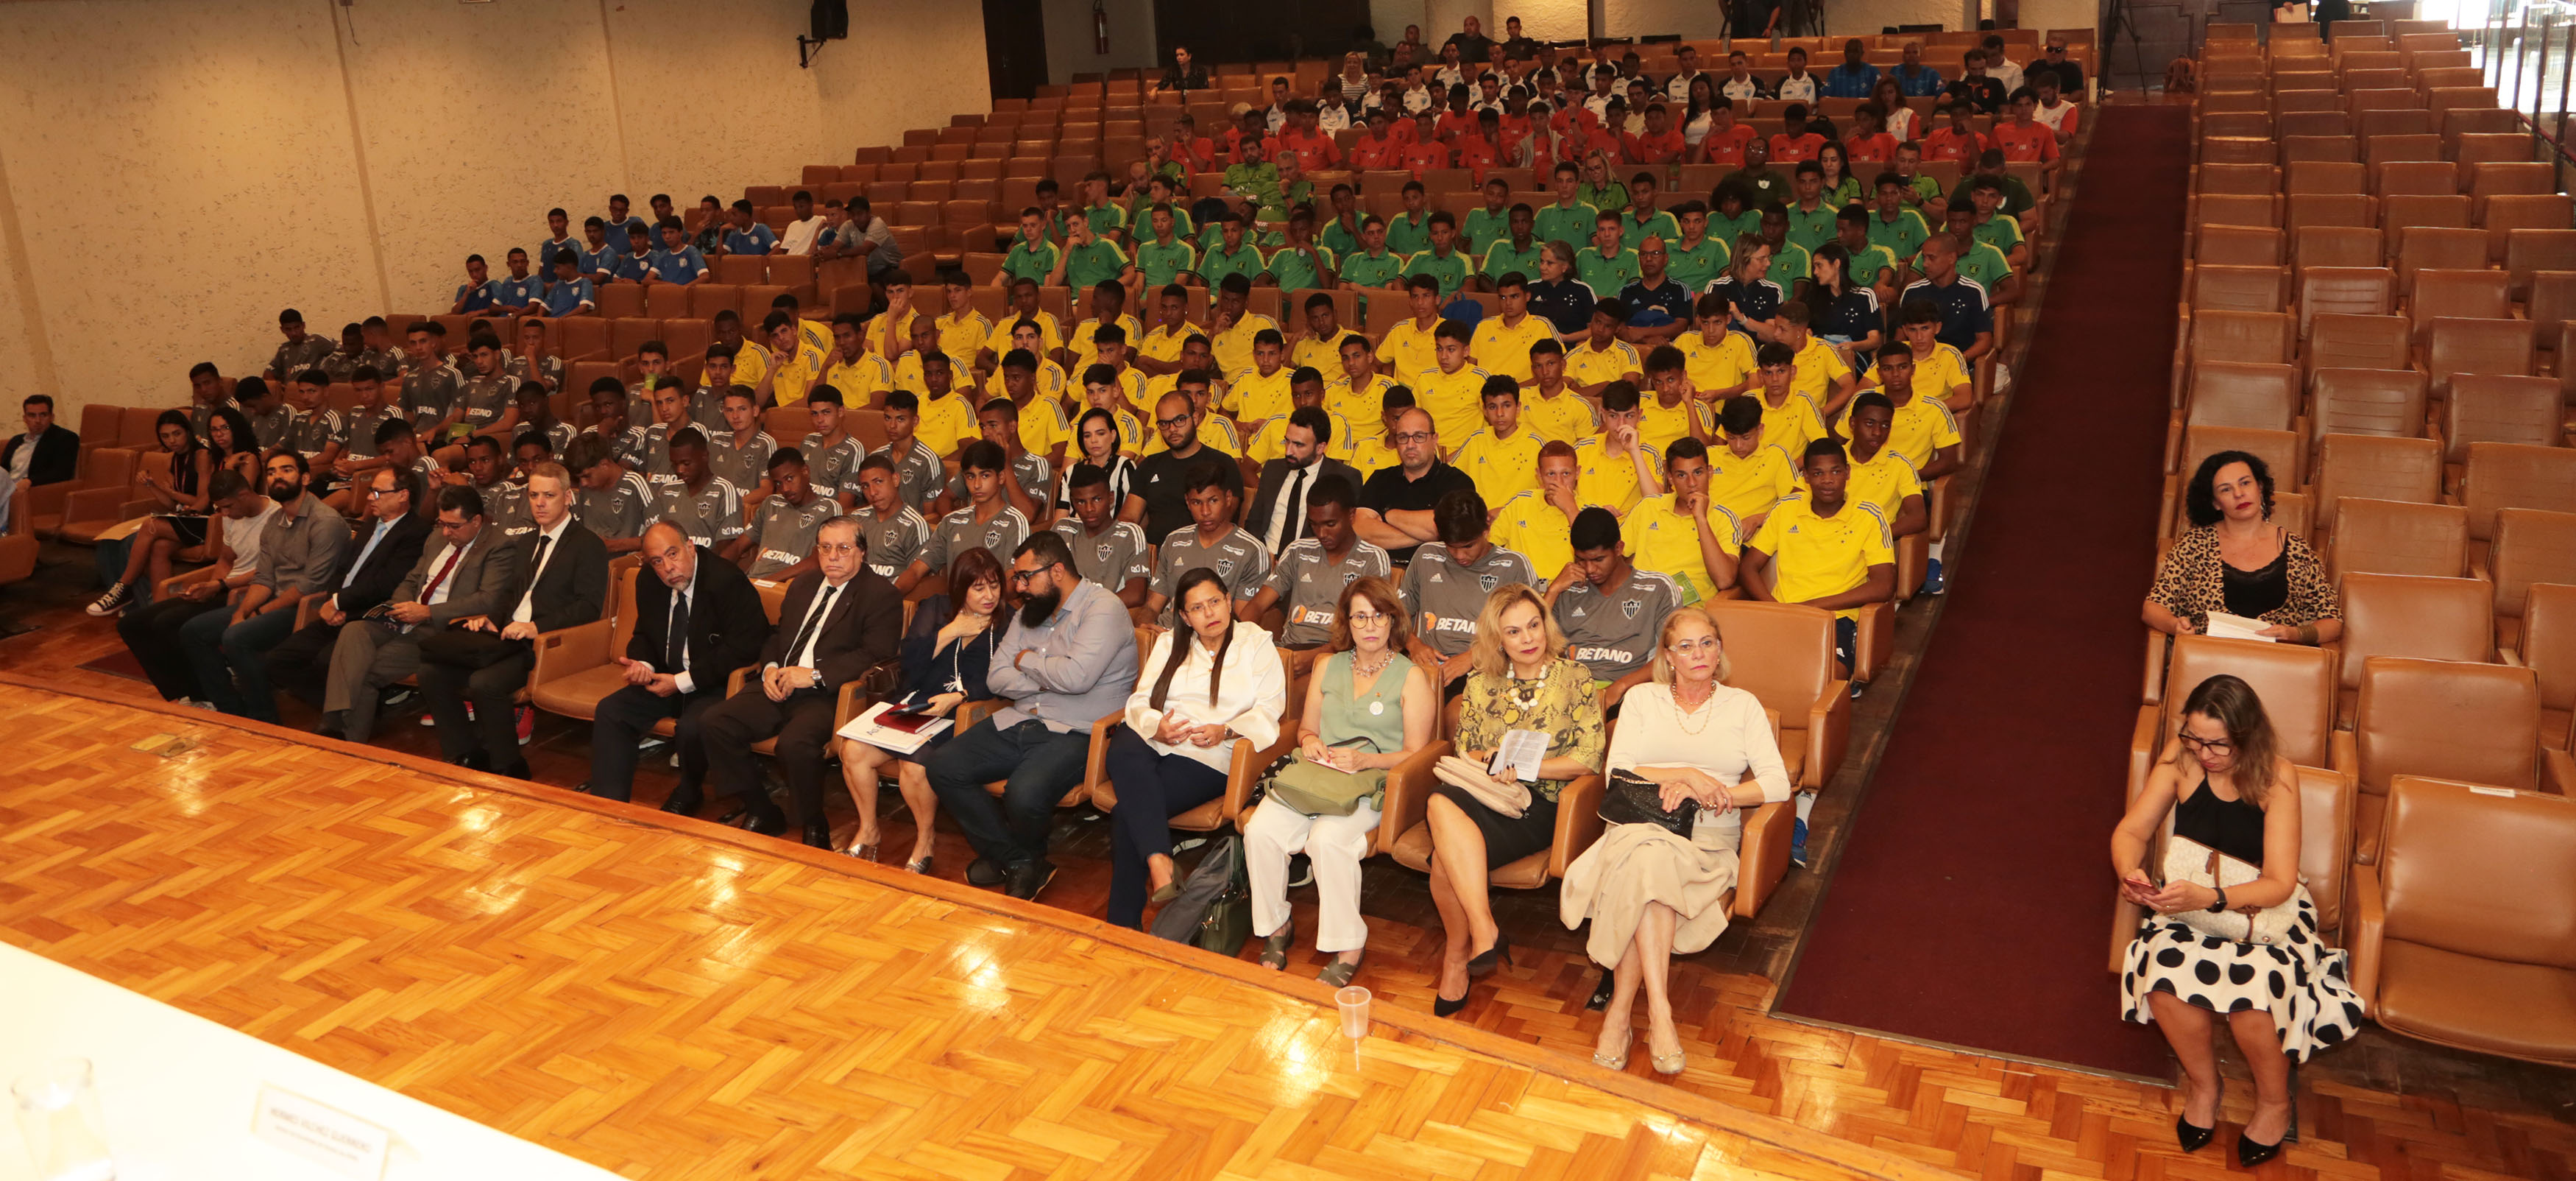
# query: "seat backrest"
{"type": "Point", "coordinates": [2480, 873]}
{"type": "Point", "coordinates": [2399, 537]}
{"type": "Point", "coordinates": [2321, 176]}
{"type": "Point", "coordinates": [2326, 806]}
{"type": "Point", "coordinates": [2514, 475]}
{"type": "Point", "coordinates": [2548, 642]}
{"type": "Point", "coordinates": [2365, 290]}
{"type": "Point", "coordinates": [2296, 683]}
{"type": "Point", "coordinates": [2314, 125]}
{"type": "Point", "coordinates": [2446, 619]}
{"type": "Point", "coordinates": [2237, 336]}
{"type": "Point", "coordinates": [2240, 178]}
{"type": "Point", "coordinates": [2386, 469]}
{"type": "Point", "coordinates": [2329, 209]}
{"type": "Point", "coordinates": [2337, 341]}
{"type": "Point", "coordinates": [2500, 408]}
{"type": "Point", "coordinates": [2320, 149]}
{"type": "Point", "coordinates": [2476, 346]}
{"type": "Point", "coordinates": [138, 427]}
{"type": "Point", "coordinates": [2531, 546]}
{"type": "Point", "coordinates": [2230, 209]}
{"type": "Point", "coordinates": [2440, 247]}
{"type": "Point", "coordinates": [2279, 451]}
{"type": "Point", "coordinates": [2253, 246]}
{"type": "Point", "coordinates": [1782, 653]}
{"type": "Point", "coordinates": [2384, 149]}
{"type": "Point", "coordinates": [2240, 393]}
{"type": "Point", "coordinates": [2338, 246]}
{"type": "Point", "coordinates": [2233, 149]}
{"type": "Point", "coordinates": [2475, 293]}
{"type": "Point", "coordinates": [2478, 723]}
{"type": "Point", "coordinates": [2384, 402]}
{"type": "Point", "coordinates": [2240, 289]}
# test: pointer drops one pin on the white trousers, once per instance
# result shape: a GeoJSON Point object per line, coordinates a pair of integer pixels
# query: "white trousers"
{"type": "Point", "coordinates": [1334, 844]}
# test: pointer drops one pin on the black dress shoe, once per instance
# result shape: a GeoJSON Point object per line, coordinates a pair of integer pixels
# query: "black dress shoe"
{"type": "Point", "coordinates": [1442, 1006]}
{"type": "Point", "coordinates": [333, 726]}
{"type": "Point", "coordinates": [2250, 1155]}
{"type": "Point", "coordinates": [1602, 992]}
{"type": "Point", "coordinates": [983, 872]}
{"type": "Point", "coordinates": [1484, 962]}
{"type": "Point", "coordinates": [2191, 1136]}
{"type": "Point", "coordinates": [735, 815]}
{"type": "Point", "coordinates": [476, 760]}
{"type": "Point", "coordinates": [818, 834]}
{"type": "Point", "coordinates": [518, 770]}
{"type": "Point", "coordinates": [768, 825]}
{"type": "Point", "coordinates": [1031, 876]}
{"type": "Point", "coordinates": [685, 802]}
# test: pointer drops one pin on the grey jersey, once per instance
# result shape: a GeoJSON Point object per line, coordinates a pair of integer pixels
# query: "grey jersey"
{"type": "Point", "coordinates": [546, 371]}
{"type": "Point", "coordinates": [1111, 559]}
{"type": "Point", "coordinates": [620, 512]}
{"type": "Point", "coordinates": [340, 365]}
{"type": "Point", "coordinates": [1447, 596]}
{"type": "Point", "coordinates": [1310, 582]}
{"type": "Point", "coordinates": [709, 515]}
{"type": "Point", "coordinates": [627, 447]}
{"type": "Point", "coordinates": [559, 436]}
{"type": "Point", "coordinates": [1030, 471]}
{"type": "Point", "coordinates": [271, 425]}
{"type": "Point", "coordinates": [893, 541]}
{"type": "Point", "coordinates": [834, 469]}
{"type": "Point", "coordinates": [296, 356]}
{"type": "Point", "coordinates": [706, 408]}
{"type": "Point", "coordinates": [959, 531]}
{"type": "Point", "coordinates": [743, 467]}
{"type": "Point", "coordinates": [1236, 556]}
{"type": "Point", "coordinates": [786, 532]}
{"type": "Point", "coordinates": [485, 398]}
{"type": "Point", "coordinates": [388, 363]}
{"type": "Point", "coordinates": [312, 432]}
{"type": "Point", "coordinates": [429, 392]}
{"type": "Point", "coordinates": [358, 431]}
{"type": "Point", "coordinates": [505, 506]}
{"type": "Point", "coordinates": [653, 453]}
{"type": "Point", "coordinates": [1614, 634]}
{"type": "Point", "coordinates": [919, 474]}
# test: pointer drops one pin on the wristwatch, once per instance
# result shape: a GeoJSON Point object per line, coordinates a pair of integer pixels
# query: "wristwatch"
{"type": "Point", "coordinates": [2221, 904]}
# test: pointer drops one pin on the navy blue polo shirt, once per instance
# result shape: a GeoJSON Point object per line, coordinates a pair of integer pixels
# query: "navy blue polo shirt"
{"type": "Point", "coordinates": [1758, 300]}
{"type": "Point", "coordinates": [1671, 297]}
{"type": "Point", "coordinates": [1567, 303]}
{"type": "Point", "coordinates": [1964, 310]}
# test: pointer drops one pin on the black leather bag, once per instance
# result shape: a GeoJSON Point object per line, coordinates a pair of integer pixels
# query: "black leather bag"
{"type": "Point", "coordinates": [1632, 799]}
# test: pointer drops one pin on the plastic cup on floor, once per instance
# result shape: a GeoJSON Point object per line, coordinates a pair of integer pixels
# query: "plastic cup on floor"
{"type": "Point", "coordinates": [1354, 1001]}
{"type": "Point", "coordinates": [58, 1115]}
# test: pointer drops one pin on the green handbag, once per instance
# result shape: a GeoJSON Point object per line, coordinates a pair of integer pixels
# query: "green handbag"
{"type": "Point", "coordinates": [1317, 790]}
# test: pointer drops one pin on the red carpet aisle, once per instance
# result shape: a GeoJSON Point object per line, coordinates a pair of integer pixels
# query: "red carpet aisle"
{"type": "Point", "coordinates": [1971, 904]}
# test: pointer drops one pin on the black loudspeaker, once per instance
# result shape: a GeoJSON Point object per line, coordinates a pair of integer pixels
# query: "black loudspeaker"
{"type": "Point", "coordinates": [831, 20]}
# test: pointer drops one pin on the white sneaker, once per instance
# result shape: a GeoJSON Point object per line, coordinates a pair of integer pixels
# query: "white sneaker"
{"type": "Point", "coordinates": [117, 596]}
{"type": "Point", "coordinates": [2003, 377]}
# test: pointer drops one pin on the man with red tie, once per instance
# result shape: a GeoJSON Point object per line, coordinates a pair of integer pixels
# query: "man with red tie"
{"type": "Point", "coordinates": [463, 572]}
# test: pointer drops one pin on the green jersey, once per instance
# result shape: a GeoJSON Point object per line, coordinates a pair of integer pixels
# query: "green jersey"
{"type": "Point", "coordinates": [1099, 262]}
{"type": "Point", "coordinates": [1294, 271]}
{"type": "Point", "coordinates": [1373, 270]}
{"type": "Point", "coordinates": [1661, 225]}
{"type": "Point", "coordinates": [1698, 266]}
{"type": "Point", "coordinates": [1484, 227]}
{"type": "Point", "coordinates": [1570, 225]}
{"type": "Point", "coordinates": [1903, 236]}
{"type": "Point", "coordinates": [1163, 263]}
{"type": "Point", "coordinates": [1811, 228]}
{"type": "Point", "coordinates": [1502, 258]}
{"type": "Point", "coordinates": [1605, 276]}
{"type": "Point", "coordinates": [1244, 260]}
{"type": "Point", "coordinates": [1452, 271]}
{"type": "Point", "coordinates": [1032, 264]}
{"type": "Point", "coordinates": [1408, 233]}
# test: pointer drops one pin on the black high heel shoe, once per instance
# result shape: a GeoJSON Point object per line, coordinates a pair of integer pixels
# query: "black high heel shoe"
{"type": "Point", "coordinates": [1442, 1006]}
{"type": "Point", "coordinates": [2250, 1154]}
{"type": "Point", "coordinates": [2194, 1137]}
{"type": "Point", "coordinates": [1484, 963]}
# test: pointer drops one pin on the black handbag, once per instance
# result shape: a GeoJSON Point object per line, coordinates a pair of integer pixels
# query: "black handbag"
{"type": "Point", "coordinates": [472, 650]}
{"type": "Point", "coordinates": [1629, 798]}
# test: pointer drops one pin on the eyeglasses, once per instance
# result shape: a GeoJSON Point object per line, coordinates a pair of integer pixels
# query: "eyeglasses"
{"type": "Point", "coordinates": [1019, 577]}
{"type": "Point", "coordinates": [1171, 421]}
{"type": "Point", "coordinates": [2216, 746]}
{"type": "Point", "coordinates": [1367, 618]}
{"type": "Point", "coordinates": [1416, 436]}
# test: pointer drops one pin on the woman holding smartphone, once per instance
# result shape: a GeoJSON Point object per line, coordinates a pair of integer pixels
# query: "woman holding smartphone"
{"type": "Point", "coordinates": [945, 655]}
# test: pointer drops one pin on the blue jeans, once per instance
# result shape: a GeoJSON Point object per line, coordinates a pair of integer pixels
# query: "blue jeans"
{"type": "Point", "coordinates": [1038, 765]}
{"type": "Point", "coordinates": [223, 652]}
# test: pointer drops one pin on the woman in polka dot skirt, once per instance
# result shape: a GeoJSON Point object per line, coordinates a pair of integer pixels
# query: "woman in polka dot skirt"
{"type": "Point", "coordinates": [2223, 785]}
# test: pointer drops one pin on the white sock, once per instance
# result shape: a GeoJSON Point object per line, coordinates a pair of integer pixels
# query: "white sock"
{"type": "Point", "coordinates": [1935, 550]}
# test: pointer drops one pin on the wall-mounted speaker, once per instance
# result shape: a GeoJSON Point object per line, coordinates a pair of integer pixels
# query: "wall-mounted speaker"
{"type": "Point", "coordinates": [831, 20]}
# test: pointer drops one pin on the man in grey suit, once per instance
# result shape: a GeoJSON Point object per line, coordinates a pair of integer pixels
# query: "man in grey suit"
{"type": "Point", "coordinates": [462, 576]}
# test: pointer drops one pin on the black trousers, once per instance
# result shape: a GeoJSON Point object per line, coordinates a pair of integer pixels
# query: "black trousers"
{"type": "Point", "coordinates": [301, 664]}
{"type": "Point", "coordinates": [803, 726]}
{"type": "Point", "coordinates": [152, 633]}
{"type": "Point", "coordinates": [493, 732]}
{"type": "Point", "coordinates": [625, 717]}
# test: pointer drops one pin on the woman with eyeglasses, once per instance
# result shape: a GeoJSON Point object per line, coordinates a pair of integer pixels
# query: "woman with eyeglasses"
{"type": "Point", "coordinates": [1367, 710]}
{"type": "Point", "coordinates": [945, 656]}
{"type": "Point", "coordinates": [1652, 893]}
{"type": "Point", "coordinates": [2224, 785]}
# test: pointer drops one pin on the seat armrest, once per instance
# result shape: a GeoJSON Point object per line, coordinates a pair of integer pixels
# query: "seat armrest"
{"type": "Point", "coordinates": [1763, 857]}
{"type": "Point", "coordinates": [2508, 655]}
{"type": "Point", "coordinates": [570, 650]}
{"type": "Point", "coordinates": [1578, 822]}
{"type": "Point", "coordinates": [2159, 645]}
{"type": "Point", "coordinates": [2165, 508]}
{"type": "Point", "coordinates": [1408, 793]}
{"type": "Point", "coordinates": [170, 586]}
{"type": "Point", "coordinates": [137, 508]}
{"type": "Point", "coordinates": [2344, 751]}
{"type": "Point", "coordinates": [1095, 765]}
{"type": "Point", "coordinates": [2557, 771]}
{"type": "Point", "coordinates": [2365, 924]}
{"type": "Point", "coordinates": [94, 504]}
{"type": "Point", "coordinates": [1245, 773]}
{"type": "Point", "coordinates": [2124, 927]}
{"type": "Point", "coordinates": [307, 609]}
{"type": "Point", "coordinates": [1874, 643]}
{"type": "Point", "coordinates": [2146, 743]}
{"type": "Point", "coordinates": [47, 498]}
{"type": "Point", "coordinates": [1828, 735]}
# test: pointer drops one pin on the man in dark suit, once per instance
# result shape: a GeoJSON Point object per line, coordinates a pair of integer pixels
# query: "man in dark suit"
{"type": "Point", "coordinates": [46, 454]}
{"type": "Point", "coordinates": [836, 625]}
{"type": "Point", "coordinates": [387, 547]}
{"type": "Point", "coordinates": [562, 582]}
{"type": "Point", "coordinates": [1278, 515]}
{"type": "Point", "coordinates": [460, 576]}
{"type": "Point", "coordinates": [675, 672]}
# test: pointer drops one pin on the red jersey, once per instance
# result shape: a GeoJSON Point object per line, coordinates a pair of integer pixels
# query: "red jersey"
{"type": "Point", "coordinates": [1788, 150]}
{"type": "Point", "coordinates": [1423, 154]}
{"type": "Point", "coordinates": [1370, 151]}
{"type": "Point", "coordinates": [1946, 144]}
{"type": "Point", "coordinates": [1880, 148]}
{"type": "Point", "coordinates": [1201, 152]}
{"type": "Point", "coordinates": [1727, 147]}
{"type": "Point", "coordinates": [2026, 145]}
{"type": "Point", "coordinates": [1654, 149]}
{"type": "Point", "coordinates": [1475, 152]}
{"type": "Point", "coordinates": [1455, 126]}
{"type": "Point", "coordinates": [1314, 151]}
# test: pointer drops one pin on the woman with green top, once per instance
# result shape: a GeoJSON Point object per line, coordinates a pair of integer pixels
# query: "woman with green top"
{"type": "Point", "coordinates": [1601, 189]}
{"type": "Point", "coordinates": [1367, 709]}
{"type": "Point", "coordinates": [1841, 187]}
{"type": "Point", "coordinates": [1479, 821]}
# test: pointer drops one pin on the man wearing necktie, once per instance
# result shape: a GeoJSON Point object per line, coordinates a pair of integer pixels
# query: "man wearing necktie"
{"type": "Point", "coordinates": [484, 659]}
{"type": "Point", "coordinates": [463, 574]}
{"type": "Point", "coordinates": [1278, 515]}
{"type": "Point", "coordinates": [390, 538]}
{"type": "Point", "coordinates": [696, 620]}
{"type": "Point", "coordinates": [837, 624]}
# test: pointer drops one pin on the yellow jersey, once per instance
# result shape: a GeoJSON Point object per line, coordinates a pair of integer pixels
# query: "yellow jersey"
{"type": "Point", "coordinates": [1792, 425]}
{"type": "Point", "coordinates": [1530, 525]}
{"type": "Point", "coordinates": [1921, 426]}
{"type": "Point", "coordinates": [862, 383]}
{"type": "Point", "coordinates": [1455, 402]}
{"type": "Point", "coordinates": [961, 336]}
{"type": "Point", "coordinates": [1217, 432]}
{"type": "Point", "coordinates": [1270, 433]}
{"type": "Point", "coordinates": [1883, 483]}
{"type": "Point", "coordinates": [1050, 334]}
{"type": "Point", "coordinates": [1818, 367]}
{"type": "Point", "coordinates": [1409, 348]}
{"type": "Point", "coordinates": [1365, 404]}
{"type": "Point", "coordinates": [1585, 365]}
{"type": "Point", "coordinates": [1723, 365]}
{"type": "Point", "coordinates": [1663, 539]}
{"type": "Point", "coordinates": [1663, 424]}
{"type": "Point", "coordinates": [1233, 347]}
{"type": "Point", "coordinates": [1499, 348]}
{"type": "Point", "coordinates": [788, 383]}
{"type": "Point", "coordinates": [1253, 396]}
{"type": "Point", "coordinates": [1086, 351]}
{"type": "Point", "coordinates": [1370, 452]}
{"type": "Point", "coordinates": [1749, 486]}
{"type": "Point", "coordinates": [1610, 481]}
{"type": "Point", "coordinates": [817, 333]}
{"type": "Point", "coordinates": [1165, 341]}
{"type": "Point", "coordinates": [1322, 353]}
{"type": "Point", "coordinates": [1052, 385]}
{"type": "Point", "coordinates": [1561, 415]}
{"type": "Point", "coordinates": [1044, 427]}
{"type": "Point", "coordinates": [1938, 373]}
{"type": "Point", "coordinates": [1501, 468]}
{"type": "Point", "coordinates": [1813, 556]}
{"type": "Point", "coordinates": [1131, 390]}
{"type": "Point", "coordinates": [750, 364]}
{"type": "Point", "coordinates": [946, 423]}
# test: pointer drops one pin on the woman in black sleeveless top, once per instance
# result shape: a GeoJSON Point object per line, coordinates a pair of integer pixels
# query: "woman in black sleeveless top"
{"type": "Point", "coordinates": [2222, 784]}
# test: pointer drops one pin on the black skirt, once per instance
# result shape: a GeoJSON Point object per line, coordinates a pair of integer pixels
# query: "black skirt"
{"type": "Point", "coordinates": [1506, 839]}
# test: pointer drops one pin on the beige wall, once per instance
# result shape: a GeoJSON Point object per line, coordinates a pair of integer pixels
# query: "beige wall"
{"type": "Point", "coordinates": [172, 172]}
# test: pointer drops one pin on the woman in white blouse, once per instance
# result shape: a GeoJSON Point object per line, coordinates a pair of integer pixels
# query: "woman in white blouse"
{"type": "Point", "coordinates": [1649, 893]}
{"type": "Point", "coordinates": [1200, 691]}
